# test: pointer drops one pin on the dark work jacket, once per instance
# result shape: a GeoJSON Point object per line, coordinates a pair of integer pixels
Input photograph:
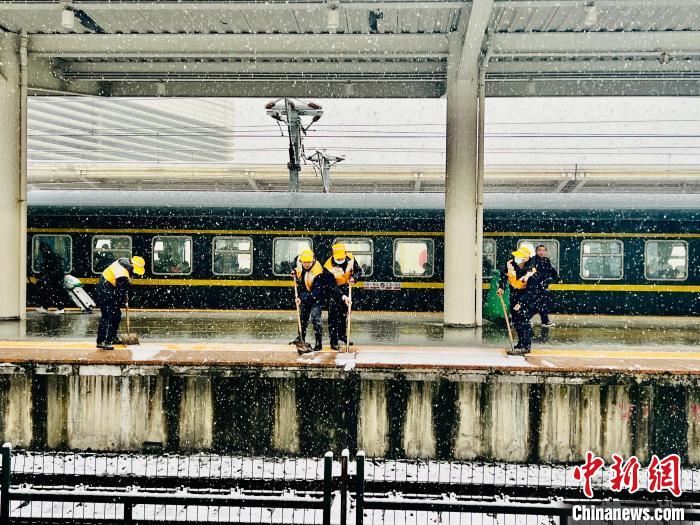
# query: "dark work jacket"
{"type": "Point", "coordinates": [105, 291]}
{"type": "Point", "coordinates": [546, 274]}
{"type": "Point", "coordinates": [51, 271]}
{"type": "Point", "coordinates": [523, 296]}
{"type": "Point", "coordinates": [356, 274]}
{"type": "Point", "coordinates": [320, 287]}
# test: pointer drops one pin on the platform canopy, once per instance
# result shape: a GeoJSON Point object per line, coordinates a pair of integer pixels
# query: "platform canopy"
{"type": "Point", "coordinates": [351, 48]}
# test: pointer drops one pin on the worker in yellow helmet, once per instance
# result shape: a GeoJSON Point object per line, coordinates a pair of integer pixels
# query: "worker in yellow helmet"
{"type": "Point", "coordinates": [311, 282]}
{"type": "Point", "coordinates": [517, 274]}
{"type": "Point", "coordinates": [343, 267]}
{"type": "Point", "coordinates": [111, 294]}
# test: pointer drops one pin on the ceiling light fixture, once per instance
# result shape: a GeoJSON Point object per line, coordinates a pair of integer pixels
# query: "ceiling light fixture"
{"type": "Point", "coordinates": [333, 17]}
{"type": "Point", "coordinates": [68, 19]}
{"type": "Point", "coordinates": [591, 14]}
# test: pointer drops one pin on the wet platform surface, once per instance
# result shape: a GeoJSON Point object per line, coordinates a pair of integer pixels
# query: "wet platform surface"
{"type": "Point", "coordinates": [382, 340]}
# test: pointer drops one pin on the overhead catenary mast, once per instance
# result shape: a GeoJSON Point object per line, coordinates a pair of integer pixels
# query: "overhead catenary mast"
{"type": "Point", "coordinates": [324, 162]}
{"type": "Point", "coordinates": [291, 112]}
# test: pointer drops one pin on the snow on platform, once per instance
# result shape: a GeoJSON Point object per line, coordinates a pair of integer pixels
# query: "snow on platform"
{"type": "Point", "coordinates": [464, 358]}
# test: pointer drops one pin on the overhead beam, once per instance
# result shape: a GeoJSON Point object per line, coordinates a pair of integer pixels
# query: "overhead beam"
{"type": "Point", "coordinates": [594, 43]}
{"type": "Point", "coordinates": [479, 17]}
{"type": "Point", "coordinates": [257, 67]}
{"type": "Point", "coordinates": [299, 89]}
{"type": "Point", "coordinates": [529, 4]}
{"type": "Point", "coordinates": [45, 78]}
{"type": "Point", "coordinates": [504, 68]}
{"type": "Point", "coordinates": [268, 5]}
{"type": "Point", "coordinates": [593, 87]}
{"type": "Point", "coordinates": [238, 46]}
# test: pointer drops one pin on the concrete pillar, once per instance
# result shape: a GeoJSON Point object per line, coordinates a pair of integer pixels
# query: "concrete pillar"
{"type": "Point", "coordinates": [13, 210]}
{"type": "Point", "coordinates": [462, 232]}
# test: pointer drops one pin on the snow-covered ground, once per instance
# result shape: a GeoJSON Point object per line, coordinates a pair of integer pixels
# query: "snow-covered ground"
{"type": "Point", "coordinates": [445, 478]}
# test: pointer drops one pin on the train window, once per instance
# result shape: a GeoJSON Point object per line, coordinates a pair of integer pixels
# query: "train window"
{"type": "Point", "coordinates": [414, 257]}
{"type": "Point", "coordinates": [363, 250]}
{"type": "Point", "coordinates": [601, 260]}
{"type": "Point", "coordinates": [61, 245]}
{"type": "Point", "coordinates": [285, 250]}
{"type": "Point", "coordinates": [108, 248]}
{"type": "Point", "coordinates": [232, 256]}
{"type": "Point", "coordinates": [488, 262]}
{"type": "Point", "coordinates": [666, 260]}
{"type": "Point", "coordinates": [552, 246]}
{"type": "Point", "coordinates": [172, 255]}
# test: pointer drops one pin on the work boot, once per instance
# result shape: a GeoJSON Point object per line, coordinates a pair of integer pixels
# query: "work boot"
{"type": "Point", "coordinates": [335, 346]}
{"type": "Point", "coordinates": [116, 341]}
{"type": "Point", "coordinates": [319, 346]}
{"type": "Point", "coordinates": [105, 346]}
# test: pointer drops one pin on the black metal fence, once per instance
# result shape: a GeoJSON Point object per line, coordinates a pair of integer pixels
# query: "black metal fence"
{"type": "Point", "coordinates": [117, 488]}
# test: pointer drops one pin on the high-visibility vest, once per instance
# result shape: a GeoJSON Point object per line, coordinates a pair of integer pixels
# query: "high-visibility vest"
{"type": "Point", "coordinates": [512, 278]}
{"type": "Point", "coordinates": [310, 274]}
{"type": "Point", "coordinates": [341, 276]}
{"type": "Point", "coordinates": [113, 272]}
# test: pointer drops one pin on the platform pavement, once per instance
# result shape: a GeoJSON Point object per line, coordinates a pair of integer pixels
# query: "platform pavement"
{"type": "Point", "coordinates": [626, 360]}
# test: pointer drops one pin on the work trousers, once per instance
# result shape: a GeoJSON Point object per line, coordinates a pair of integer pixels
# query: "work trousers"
{"type": "Point", "coordinates": [111, 315]}
{"type": "Point", "coordinates": [521, 323]}
{"type": "Point", "coordinates": [542, 306]}
{"type": "Point", "coordinates": [309, 310]}
{"type": "Point", "coordinates": [337, 320]}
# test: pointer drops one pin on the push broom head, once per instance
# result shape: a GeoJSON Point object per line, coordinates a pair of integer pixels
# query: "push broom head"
{"type": "Point", "coordinates": [131, 339]}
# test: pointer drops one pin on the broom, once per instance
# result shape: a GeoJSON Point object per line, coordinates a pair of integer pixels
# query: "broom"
{"type": "Point", "coordinates": [347, 325]}
{"type": "Point", "coordinates": [129, 338]}
{"type": "Point", "coordinates": [510, 332]}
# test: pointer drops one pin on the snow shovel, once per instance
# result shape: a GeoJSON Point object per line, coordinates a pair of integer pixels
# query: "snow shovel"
{"type": "Point", "coordinates": [347, 321]}
{"type": "Point", "coordinates": [510, 332]}
{"type": "Point", "coordinates": [129, 338]}
{"type": "Point", "coordinates": [302, 347]}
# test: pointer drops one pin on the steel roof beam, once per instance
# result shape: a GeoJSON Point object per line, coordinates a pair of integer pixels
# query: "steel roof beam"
{"type": "Point", "coordinates": [292, 88]}
{"type": "Point", "coordinates": [529, 4]}
{"type": "Point", "coordinates": [593, 87]}
{"type": "Point", "coordinates": [475, 32]}
{"type": "Point", "coordinates": [606, 43]}
{"type": "Point", "coordinates": [268, 5]}
{"type": "Point", "coordinates": [257, 46]}
{"type": "Point", "coordinates": [503, 69]}
{"type": "Point", "coordinates": [204, 68]}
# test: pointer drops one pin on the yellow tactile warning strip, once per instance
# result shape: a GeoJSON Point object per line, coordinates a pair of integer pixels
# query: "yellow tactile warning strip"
{"type": "Point", "coordinates": [483, 358]}
{"type": "Point", "coordinates": [615, 354]}
{"type": "Point", "coordinates": [361, 233]}
{"type": "Point", "coordinates": [657, 288]}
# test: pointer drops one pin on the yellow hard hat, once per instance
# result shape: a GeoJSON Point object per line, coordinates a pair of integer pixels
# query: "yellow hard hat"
{"type": "Point", "coordinates": [306, 256]}
{"type": "Point", "coordinates": [338, 251]}
{"type": "Point", "coordinates": [139, 265]}
{"type": "Point", "coordinates": [523, 251]}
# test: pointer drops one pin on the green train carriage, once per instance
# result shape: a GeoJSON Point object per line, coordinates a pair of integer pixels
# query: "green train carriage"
{"type": "Point", "coordinates": [232, 250]}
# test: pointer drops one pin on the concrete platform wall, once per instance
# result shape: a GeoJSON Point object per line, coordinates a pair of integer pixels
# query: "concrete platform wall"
{"type": "Point", "coordinates": [506, 417]}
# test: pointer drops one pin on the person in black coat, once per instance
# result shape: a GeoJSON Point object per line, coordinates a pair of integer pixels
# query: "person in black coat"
{"type": "Point", "coordinates": [50, 280]}
{"type": "Point", "coordinates": [313, 284]}
{"type": "Point", "coordinates": [345, 272]}
{"type": "Point", "coordinates": [111, 293]}
{"type": "Point", "coordinates": [546, 275]}
{"type": "Point", "coordinates": [517, 274]}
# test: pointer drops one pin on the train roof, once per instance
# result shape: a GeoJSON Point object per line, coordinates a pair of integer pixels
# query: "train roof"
{"type": "Point", "coordinates": [381, 201]}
